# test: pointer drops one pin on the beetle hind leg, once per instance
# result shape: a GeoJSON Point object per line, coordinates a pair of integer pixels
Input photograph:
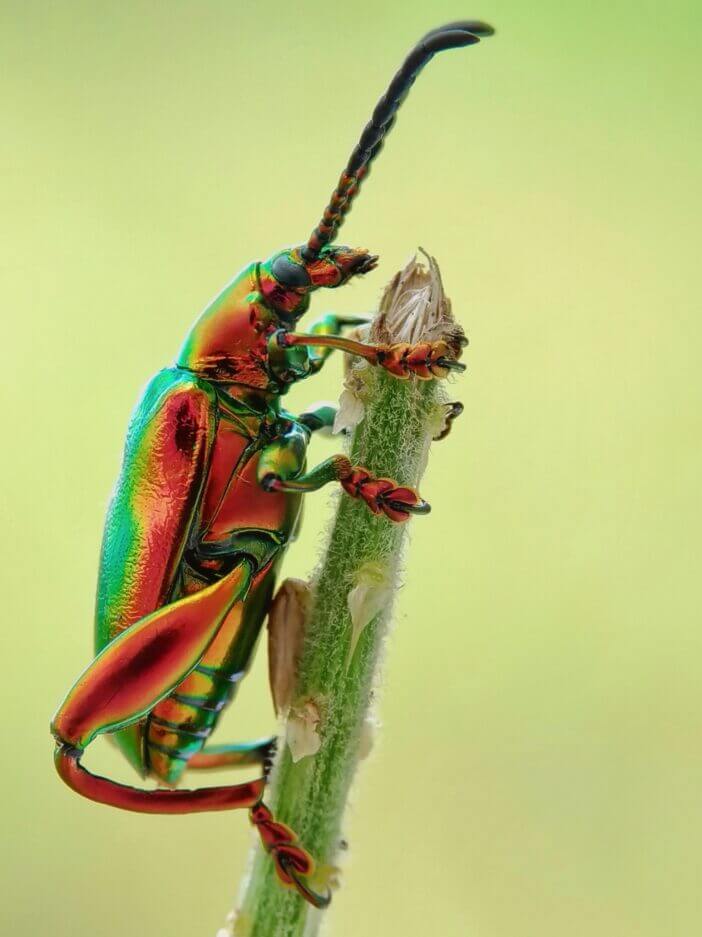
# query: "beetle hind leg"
{"type": "Point", "coordinates": [293, 864]}
{"type": "Point", "coordinates": [126, 681]}
{"type": "Point", "coordinates": [106, 791]}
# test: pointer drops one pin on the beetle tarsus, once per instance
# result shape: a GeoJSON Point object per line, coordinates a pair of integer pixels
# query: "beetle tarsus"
{"type": "Point", "coordinates": [451, 364]}
{"type": "Point", "coordinates": [421, 507]}
{"type": "Point", "coordinates": [236, 755]}
{"type": "Point", "coordinates": [423, 360]}
{"type": "Point", "coordinates": [384, 495]}
{"type": "Point", "coordinates": [309, 894]}
{"type": "Point", "coordinates": [293, 864]}
{"type": "Point", "coordinates": [453, 411]}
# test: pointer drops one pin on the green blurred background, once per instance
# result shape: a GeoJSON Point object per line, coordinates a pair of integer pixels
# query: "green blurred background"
{"type": "Point", "coordinates": [539, 767]}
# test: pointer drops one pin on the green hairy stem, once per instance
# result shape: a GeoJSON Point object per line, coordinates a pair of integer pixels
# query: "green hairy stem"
{"type": "Point", "coordinates": [337, 669]}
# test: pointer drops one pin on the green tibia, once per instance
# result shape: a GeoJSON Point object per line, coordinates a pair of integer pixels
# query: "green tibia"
{"type": "Point", "coordinates": [280, 462]}
{"type": "Point", "coordinates": [331, 470]}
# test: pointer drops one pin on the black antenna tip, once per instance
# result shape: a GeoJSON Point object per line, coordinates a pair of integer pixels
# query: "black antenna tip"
{"type": "Point", "coordinates": [475, 27]}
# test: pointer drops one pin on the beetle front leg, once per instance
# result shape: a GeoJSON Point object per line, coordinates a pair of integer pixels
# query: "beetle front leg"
{"type": "Point", "coordinates": [425, 360]}
{"type": "Point", "coordinates": [330, 324]}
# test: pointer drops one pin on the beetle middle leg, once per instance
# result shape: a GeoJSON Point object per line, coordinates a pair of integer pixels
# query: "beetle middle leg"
{"type": "Point", "coordinates": [279, 470]}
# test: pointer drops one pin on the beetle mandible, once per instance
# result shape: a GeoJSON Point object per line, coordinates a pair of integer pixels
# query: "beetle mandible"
{"type": "Point", "coordinates": [208, 498]}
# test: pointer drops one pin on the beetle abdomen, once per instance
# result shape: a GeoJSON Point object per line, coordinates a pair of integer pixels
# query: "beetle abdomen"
{"type": "Point", "coordinates": [181, 724]}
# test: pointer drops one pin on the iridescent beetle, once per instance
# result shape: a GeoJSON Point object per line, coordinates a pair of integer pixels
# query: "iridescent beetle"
{"type": "Point", "coordinates": [208, 498]}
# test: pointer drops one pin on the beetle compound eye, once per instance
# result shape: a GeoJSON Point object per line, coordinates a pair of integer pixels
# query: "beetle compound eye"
{"type": "Point", "coordinates": [288, 273]}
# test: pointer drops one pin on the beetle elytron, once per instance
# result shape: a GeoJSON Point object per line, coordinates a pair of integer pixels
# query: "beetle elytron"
{"type": "Point", "coordinates": [209, 496]}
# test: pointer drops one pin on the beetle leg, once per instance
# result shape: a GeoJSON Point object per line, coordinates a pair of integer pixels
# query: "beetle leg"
{"type": "Point", "coordinates": [381, 495]}
{"type": "Point", "coordinates": [279, 469]}
{"type": "Point", "coordinates": [330, 324]}
{"type": "Point", "coordinates": [425, 360]}
{"type": "Point", "coordinates": [128, 678]}
{"type": "Point", "coordinates": [453, 410]}
{"type": "Point", "coordinates": [293, 864]}
{"type": "Point", "coordinates": [235, 755]}
{"type": "Point", "coordinates": [319, 417]}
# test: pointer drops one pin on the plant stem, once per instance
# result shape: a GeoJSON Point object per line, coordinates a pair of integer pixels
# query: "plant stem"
{"type": "Point", "coordinates": [310, 795]}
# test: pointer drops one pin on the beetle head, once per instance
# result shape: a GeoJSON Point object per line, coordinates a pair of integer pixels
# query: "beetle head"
{"type": "Point", "coordinates": [290, 275]}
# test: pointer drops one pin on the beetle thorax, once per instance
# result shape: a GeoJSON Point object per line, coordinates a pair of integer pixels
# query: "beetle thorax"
{"type": "Point", "coordinates": [228, 342]}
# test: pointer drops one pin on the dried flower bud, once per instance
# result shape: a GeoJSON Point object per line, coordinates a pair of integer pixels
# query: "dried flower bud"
{"type": "Point", "coordinates": [414, 308]}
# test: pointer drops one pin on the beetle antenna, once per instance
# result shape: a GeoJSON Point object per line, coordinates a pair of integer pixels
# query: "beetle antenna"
{"type": "Point", "coordinates": [450, 36]}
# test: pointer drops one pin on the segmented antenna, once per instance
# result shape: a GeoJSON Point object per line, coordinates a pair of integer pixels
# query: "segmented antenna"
{"type": "Point", "coordinates": [450, 36]}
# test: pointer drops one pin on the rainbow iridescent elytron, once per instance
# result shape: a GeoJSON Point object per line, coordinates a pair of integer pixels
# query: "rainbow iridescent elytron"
{"type": "Point", "coordinates": [209, 497]}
